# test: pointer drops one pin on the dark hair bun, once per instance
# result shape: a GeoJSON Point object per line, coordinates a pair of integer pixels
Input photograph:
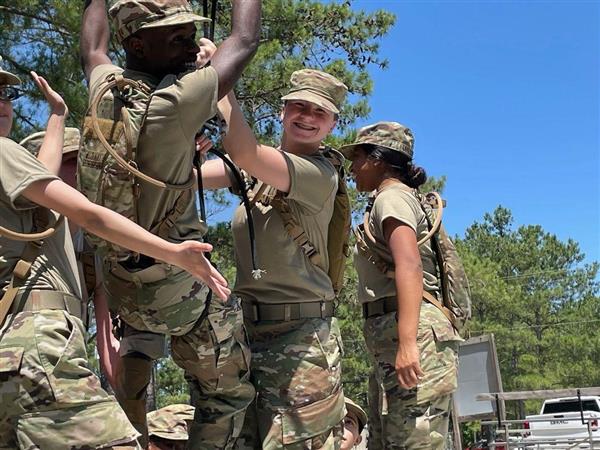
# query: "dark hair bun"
{"type": "Point", "coordinates": [415, 175]}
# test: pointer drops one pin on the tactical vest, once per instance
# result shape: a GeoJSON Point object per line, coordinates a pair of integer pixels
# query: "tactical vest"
{"type": "Point", "coordinates": [108, 174]}
{"type": "Point", "coordinates": [454, 285]}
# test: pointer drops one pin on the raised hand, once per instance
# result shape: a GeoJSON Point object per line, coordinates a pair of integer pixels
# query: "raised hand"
{"type": "Point", "coordinates": [55, 101]}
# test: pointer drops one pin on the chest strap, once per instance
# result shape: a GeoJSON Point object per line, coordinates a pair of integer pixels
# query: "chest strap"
{"type": "Point", "coordinates": [285, 312]}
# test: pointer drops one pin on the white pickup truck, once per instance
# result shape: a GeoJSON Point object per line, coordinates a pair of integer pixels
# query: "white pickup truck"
{"type": "Point", "coordinates": [559, 424]}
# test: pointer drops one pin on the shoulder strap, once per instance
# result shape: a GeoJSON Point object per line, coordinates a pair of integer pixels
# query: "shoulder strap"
{"type": "Point", "coordinates": [295, 230]}
{"type": "Point", "coordinates": [121, 83]}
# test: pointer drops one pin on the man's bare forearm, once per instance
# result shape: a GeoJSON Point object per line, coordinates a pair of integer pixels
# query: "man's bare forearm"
{"type": "Point", "coordinates": [95, 33]}
{"type": "Point", "coordinates": [234, 54]}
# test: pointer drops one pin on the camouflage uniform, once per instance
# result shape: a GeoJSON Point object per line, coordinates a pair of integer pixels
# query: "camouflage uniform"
{"type": "Point", "coordinates": [49, 397]}
{"type": "Point", "coordinates": [155, 299]}
{"type": "Point", "coordinates": [296, 356]}
{"type": "Point", "coordinates": [170, 422]}
{"type": "Point", "coordinates": [399, 418]}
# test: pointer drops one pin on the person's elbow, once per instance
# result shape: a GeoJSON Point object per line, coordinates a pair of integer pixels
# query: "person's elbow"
{"type": "Point", "coordinates": [248, 41]}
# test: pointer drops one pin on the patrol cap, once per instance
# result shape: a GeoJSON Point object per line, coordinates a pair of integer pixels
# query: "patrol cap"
{"type": "Point", "coordinates": [317, 87]}
{"type": "Point", "coordinates": [129, 16]}
{"type": "Point", "coordinates": [170, 422]}
{"type": "Point", "coordinates": [390, 135]}
{"type": "Point", "coordinates": [7, 78]}
{"type": "Point", "coordinates": [360, 414]}
{"type": "Point", "coordinates": [33, 142]}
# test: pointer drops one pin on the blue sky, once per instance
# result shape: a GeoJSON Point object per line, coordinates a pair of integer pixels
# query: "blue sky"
{"type": "Point", "coordinates": [503, 99]}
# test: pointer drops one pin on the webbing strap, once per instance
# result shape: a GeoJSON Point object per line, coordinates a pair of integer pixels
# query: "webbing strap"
{"type": "Point", "coordinates": [296, 232]}
{"type": "Point", "coordinates": [19, 275]}
{"type": "Point", "coordinates": [163, 227]}
{"type": "Point", "coordinates": [435, 302]}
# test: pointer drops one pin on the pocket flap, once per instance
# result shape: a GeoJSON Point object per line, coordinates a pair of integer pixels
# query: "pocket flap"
{"type": "Point", "coordinates": [97, 425]}
{"type": "Point", "coordinates": [312, 420]}
{"type": "Point", "coordinates": [10, 359]}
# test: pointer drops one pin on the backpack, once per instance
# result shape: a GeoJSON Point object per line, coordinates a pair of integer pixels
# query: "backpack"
{"type": "Point", "coordinates": [454, 285]}
{"type": "Point", "coordinates": [107, 172]}
{"type": "Point", "coordinates": [340, 225]}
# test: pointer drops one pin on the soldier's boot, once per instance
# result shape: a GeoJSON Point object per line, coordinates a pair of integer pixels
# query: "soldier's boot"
{"type": "Point", "coordinates": [132, 382]}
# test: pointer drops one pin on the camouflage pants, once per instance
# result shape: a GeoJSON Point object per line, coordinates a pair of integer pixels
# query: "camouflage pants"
{"type": "Point", "coordinates": [49, 397]}
{"type": "Point", "coordinates": [296, 369]}
{"type": "Point", "coordinates": [412, 419]}
{"type": "Point", "coordinates": [208, 342]}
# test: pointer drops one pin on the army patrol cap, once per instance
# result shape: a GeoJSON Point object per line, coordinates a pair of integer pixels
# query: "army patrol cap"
{"type": "Point", "coordinates": [129, 16]}
{"type": "Point", "coordinates": [390, 135]}
{"type": "Point", "coordinates": [360, 413]}
{"type": "Point", "coordinates": [317, 87]}
{"type": "Point", "coordinates": [33, 142]}
{"type": "Point", "coordinates": [7, 78]}
{"type": "Point", "coordinates": [170, 422]}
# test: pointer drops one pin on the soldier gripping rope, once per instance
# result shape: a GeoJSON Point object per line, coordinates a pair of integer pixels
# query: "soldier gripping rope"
{"type": "Point", "coordinates": [50, 398]}
{"type": "Point", "coordinates": [136, 156]}
{"type": "Point", "coordinates": [412, 315]}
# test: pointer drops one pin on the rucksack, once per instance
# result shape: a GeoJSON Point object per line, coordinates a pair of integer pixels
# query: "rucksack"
{"type": "Point", "coordinates": [454, 285]}
{"type": "Point", "coordinates": [107, 172]}
{"type": "Point", "coordinates": [339, 228]}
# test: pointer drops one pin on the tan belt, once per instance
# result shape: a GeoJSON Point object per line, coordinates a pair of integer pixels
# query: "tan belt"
{"type": "Point", "coordinates": [151, 274]}
{"type": "Point", "coordinates": [36, 300]}
{"type": "Point", "coordinates": [285, 312]}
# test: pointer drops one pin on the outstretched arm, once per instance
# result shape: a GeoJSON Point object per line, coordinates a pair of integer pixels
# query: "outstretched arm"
{"type": "Point", "coordinates": [237, 50]}
{"type": "Point", "coordinates": [95, 33]}
{"type": "Point", "coordinates": [189, 255]}
{"type": "Point", "coordinates": [261, 161]}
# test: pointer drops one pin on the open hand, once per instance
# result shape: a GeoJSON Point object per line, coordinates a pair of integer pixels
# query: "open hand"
{"type": "Point", "coordinates": [191, 258]}
{"type": "Point", "coordinates": [207, 50]}
{"type": "Point", "coordinates": [408, 369]}
{"type": "Point", "coordinates": [55, 101]}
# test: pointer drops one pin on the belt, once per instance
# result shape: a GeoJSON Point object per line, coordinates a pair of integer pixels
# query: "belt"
{"type": "Point", "coordinates": [151, 274]}
{"type": "Point", "coordinates": [285, 312]}
{"type": "Point", "coordinates": [390, 304]}
{"type": "Point", "coordinates": [380, 307]}
{"type": "Point", "coordinates": [36, 300]}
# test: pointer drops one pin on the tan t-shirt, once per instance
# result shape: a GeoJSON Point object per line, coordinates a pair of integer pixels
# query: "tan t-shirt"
{"type": "Point", "coordinates": [178, 108]}
{"type": "Point", "coordinates": [394, 201]}
{"type": "Point", "coordinates": [290, 276]}
{"type": "Point", "coordinates": [55, 268]}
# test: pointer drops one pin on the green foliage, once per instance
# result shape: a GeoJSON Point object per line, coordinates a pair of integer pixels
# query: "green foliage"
{"type": "Point", "coordinates": [538, 298]}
